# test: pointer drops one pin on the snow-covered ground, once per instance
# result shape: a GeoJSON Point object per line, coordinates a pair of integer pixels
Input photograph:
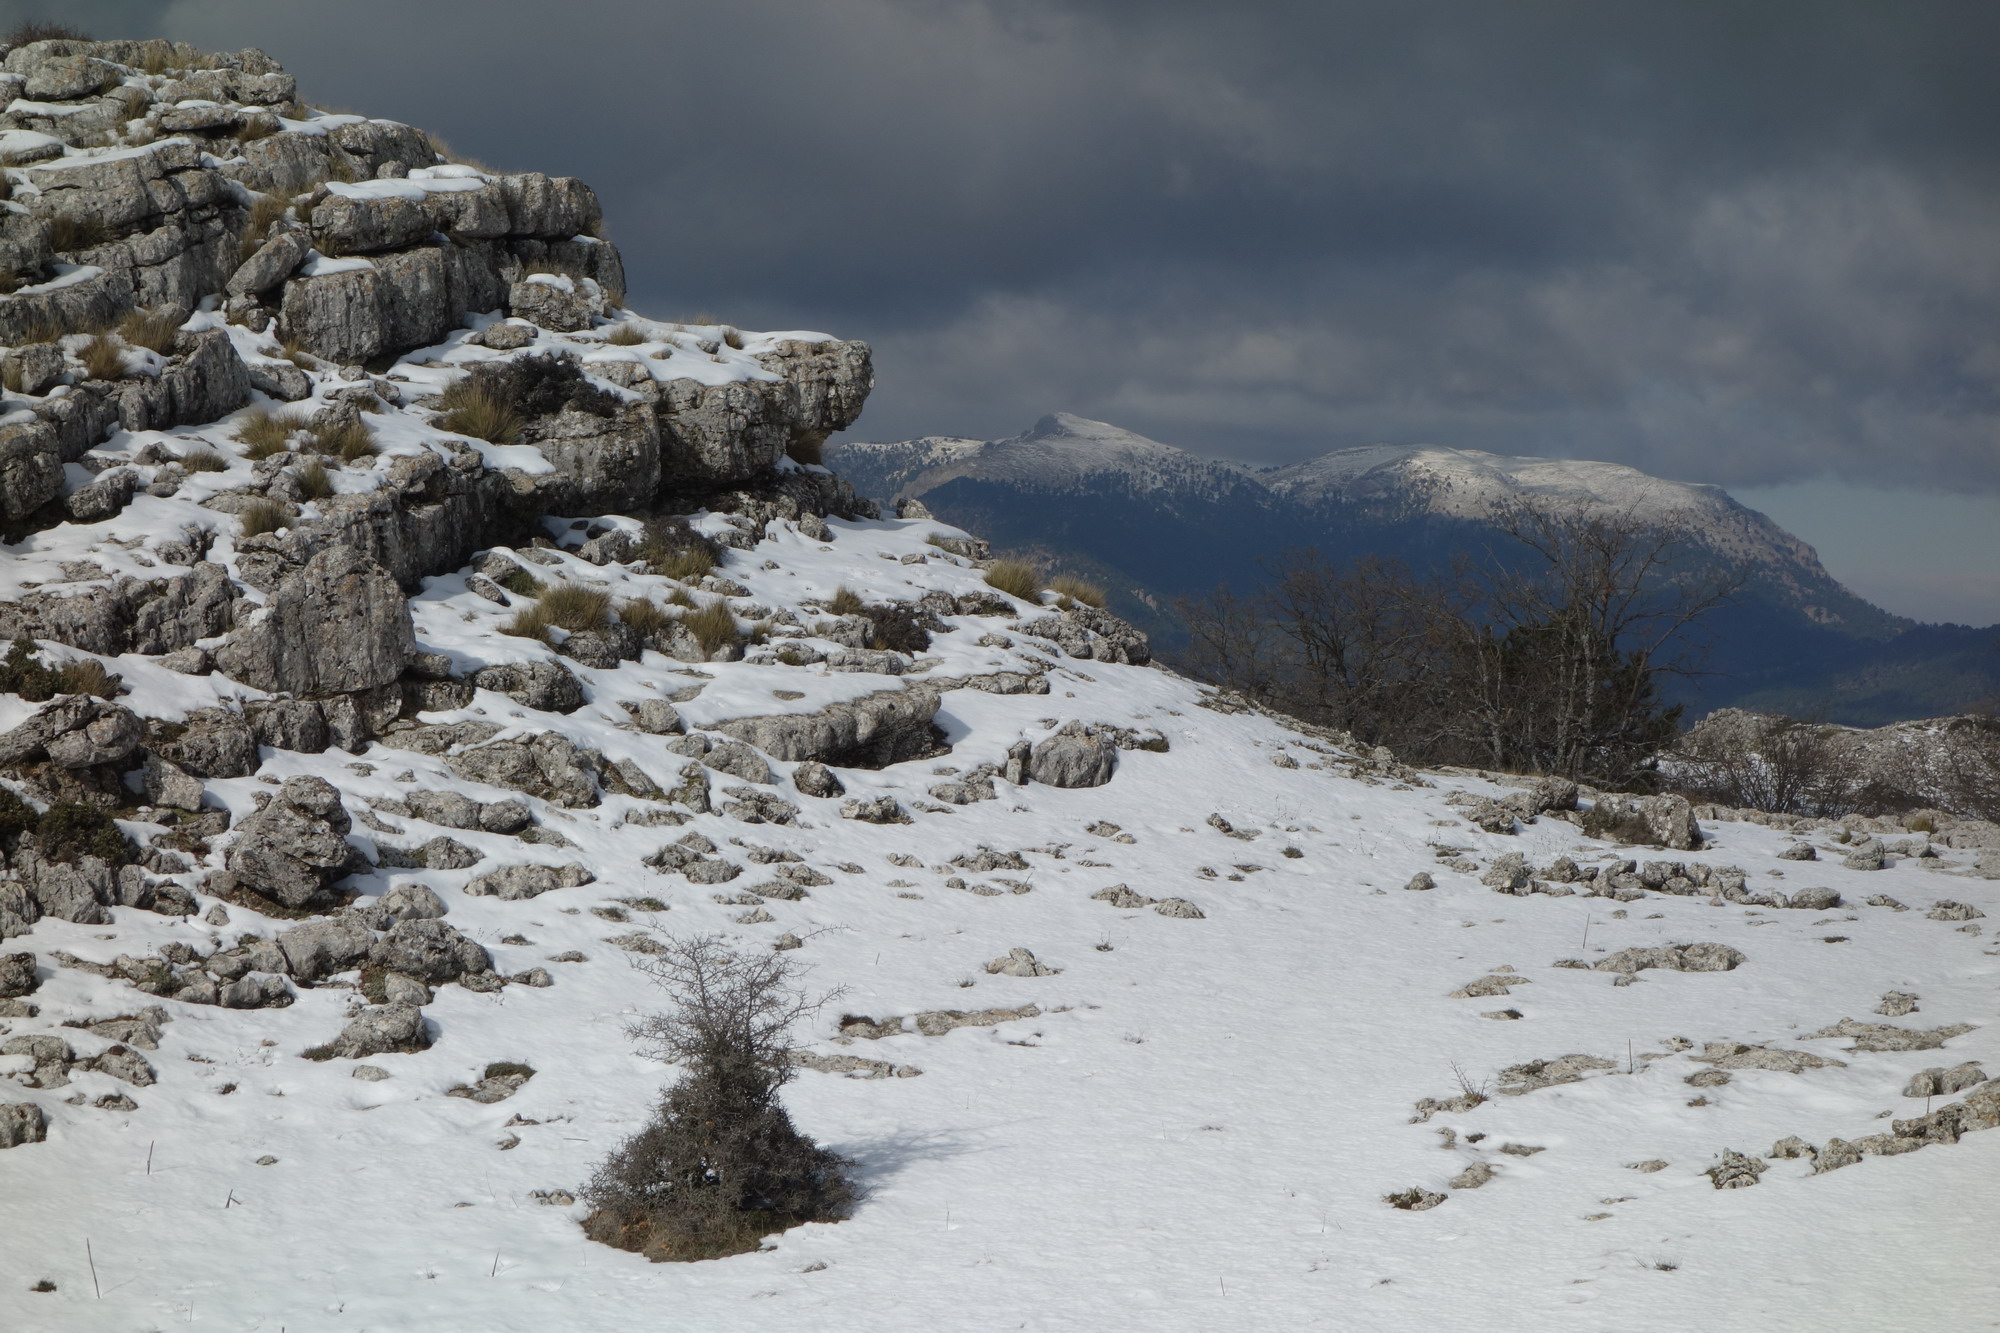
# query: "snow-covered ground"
{"type": "Point", "coordinates": [1196, 1130]}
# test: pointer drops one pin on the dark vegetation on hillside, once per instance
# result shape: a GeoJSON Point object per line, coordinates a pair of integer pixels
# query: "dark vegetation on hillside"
{"type": "Point", "coordinates": [1759, 651]}
{"type": "Point", "coordinates": [1549, 661]}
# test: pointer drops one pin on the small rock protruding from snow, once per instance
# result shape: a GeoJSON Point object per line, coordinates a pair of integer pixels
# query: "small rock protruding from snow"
{"type": "Point", "coordinates": [813, 778]}
{"type": "Point", "coordinates": [1735, 1171]}
{"type": "Point", "coordinates": [1706, 957]}
{"type": "Point", "coordinates": [881, 810]}
{"type": "Point", "coordinates": [1414, 1199]}
{"type": "Point", "coordinates": [1020, 963]}
{"type": "Point", "coordinates": [1939, 1082]}
{"type": "Point", "coordinates": [375, 1031]}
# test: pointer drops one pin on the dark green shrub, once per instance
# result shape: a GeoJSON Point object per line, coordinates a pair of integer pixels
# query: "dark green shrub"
{"type": "Point", "coordinates": [16, 816]}
{"type": "Point", "coordinates": [720, 1165]}
{"type": "Point", "coordinates": [67, 831]}
{"type": "Point", "coordinates": [21, 673]}
{"type": "Point", "coordinates": [898, 627]}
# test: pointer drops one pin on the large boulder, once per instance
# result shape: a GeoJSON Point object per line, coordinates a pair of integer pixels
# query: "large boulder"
{"type": "Point", "coordinates": [734, 432]}
{"type": "Point", "coordinates": [514, 883]}
{"type": "Point", "coordinates": [17, 975]}
{"type": "Point", "coordinates": [315, 950]}
{"type": "Point", "coordinates": [430, 951]}
{"type": "Point", "coordinates": [79, 887]}
{"type": "Point", "coordinates": [211, 743]}
{"type": "Point", "coordinates": [873, 731]}
{"type": "Point", "coordinates": [1653, 821]}
{"type": "Point", "coordinates": [21, 1122]}
{"type": "Point", "coordinates": [127, 615]}
{"type": "Point", "coordinates": [547, 765]}
{"type": "Point", "coordinates": [376, 1031]}
{"type": "Point", "coordinates": [294, 849]}
{"type": "Point", "coordinates": [31, 468]}
{"type": "Point", "coordinates": [1089, 631]}
{"type": "Point", "coordinates": [206, 381]}
{"type": "Point", "coordinates": [1076, 756]}
{"type": "Point", "coordinates": [542, 684]}
{"type": "Point", "coordinates": [339, 624]}
{"type": "Point", "coordinates": [76, 731]}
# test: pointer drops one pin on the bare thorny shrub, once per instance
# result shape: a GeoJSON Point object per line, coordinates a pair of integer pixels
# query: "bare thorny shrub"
{"type": "Point", "coordinates": [720, 1165]}
{"type": "Point", "coordinates": [1805, 767]}
{"type": "Point", "coordinates": [1766, 762]}
{"type": "Point", "coordinates": [1547, 657]}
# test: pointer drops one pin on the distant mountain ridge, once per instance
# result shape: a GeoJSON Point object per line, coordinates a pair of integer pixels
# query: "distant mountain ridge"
{"type": "Point", "coordinates": [1156, 522]}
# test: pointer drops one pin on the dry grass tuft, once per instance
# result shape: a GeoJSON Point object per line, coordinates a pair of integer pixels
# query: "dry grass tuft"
{"type": "Point", "coordinates": [204, 460]}
{"type": "Point", "coordinates": [679, 597]}
{"type": "Point", "coordinates": [87, 675]}
{"type": "Point", "coordinates": [574, 606]}
{"type": "Point", "coordinates": [295, 352]}
{"type": "Point", "coordinates": [153, 330]}
{"type": "Point", "coordinates": [312, 479]}
{"type": "Point", "coordinates": [1069, 588]}
{"type": "Point", "coordinates": [732, 338]}
{"type": "Point", "coordinates": [346, 440]}
{"type": "Point", "coordinates": [675, 550]}
{"type": "Point", "coordinates": [70, 234]}
{"type": "Point", "coordinates": [643, 617]}
{"type": "Point", "coordinates": [264, 432]}
{"type": "Point", "coordinates": [845, 602]}
{"type": "Point", "coordinates": [482, 408]}
{"type": "Point", "coordinates": [103, 358]}
{"type": "Point", "coordinates": [1017, 578]}
{"type": "Point", "coordinates": [713, 626]}
{"type": "Point", "coordinates": [530, 622]}
{"type": "Point", "coordinates": [264, 211]}
{"type": "Point", "coordinates": [627, 334]}
{"type": "Point", "coordinates": [259, 126]}
{"type": "Point", "coordinates": [262, 516]}
{"type": "Point", "coordinates": [36, 30]}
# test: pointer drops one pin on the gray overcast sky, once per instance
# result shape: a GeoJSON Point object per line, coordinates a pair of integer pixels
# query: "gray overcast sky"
{"type": "Point", "coordinates": [1742, 242]}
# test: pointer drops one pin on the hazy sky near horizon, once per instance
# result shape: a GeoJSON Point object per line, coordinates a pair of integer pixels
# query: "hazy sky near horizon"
{"type": "Point", "coordinates": [1749, 243]}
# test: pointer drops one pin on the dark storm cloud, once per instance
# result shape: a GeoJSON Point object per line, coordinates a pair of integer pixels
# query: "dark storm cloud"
{"type": "Point", "coordinates": [1732, 242]}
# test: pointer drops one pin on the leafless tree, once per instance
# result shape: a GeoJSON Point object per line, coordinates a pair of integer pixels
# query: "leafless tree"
{"type": "Point", "coordinates": [1547, 656]}
{"type": "Point", "coordinates": [721, 1164]}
